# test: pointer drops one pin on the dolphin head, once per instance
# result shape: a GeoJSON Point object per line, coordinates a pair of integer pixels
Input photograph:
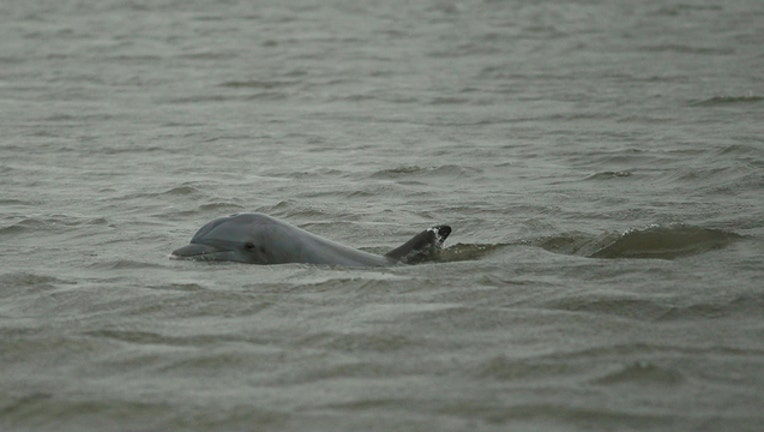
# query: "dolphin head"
{"type": "Point", "coordinates": [231, 238]}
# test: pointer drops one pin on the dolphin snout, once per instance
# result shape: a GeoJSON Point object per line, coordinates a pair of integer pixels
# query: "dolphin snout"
{"type": "Point", "coordinates": [193, 250]}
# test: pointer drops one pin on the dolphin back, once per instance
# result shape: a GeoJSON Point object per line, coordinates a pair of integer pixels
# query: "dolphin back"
{"type": "Point", "coordinates": [292, 244]}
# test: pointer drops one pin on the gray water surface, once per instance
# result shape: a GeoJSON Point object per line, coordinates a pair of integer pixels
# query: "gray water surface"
{"type": "Point", "coordinates": [601, 164]}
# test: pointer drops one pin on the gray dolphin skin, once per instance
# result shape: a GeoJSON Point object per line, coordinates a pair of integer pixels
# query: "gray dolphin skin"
{"type": "Point", "coordinates": [260, 239]}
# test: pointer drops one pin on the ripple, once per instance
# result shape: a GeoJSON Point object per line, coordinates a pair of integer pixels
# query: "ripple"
{"type": "Point", "coordinates": [361, 342]}
{"type": "Point", "coordinates": [622, 306]}
{"type": "Point", "coordinates": [746, 304]}
{"type": "Point", "coordinates": [221, 207]}
{"type": "Point", "coordinates": [609, 175]}
{"type": "Point", "coordinates": [508, 369]}
{"type": "Point", "coordinates": [728, 100]}
{"type": "Point", "coordinates": [29, 280]}
{"type": "Point", "coordinates": [438, 171]}
{"type": "Point", "coordinates": [150, 338]}
{"type": "Point", "coordinates": [122, 264]}
{"type": "Point", "coordinates": [258, 84]}
{"type": "Point", "coordinates": [49, 223]}
{"type": "Point", "coordinates": [182, 191]}
{"type": "Point", "coordinates": [468, 252]}
{"type": "Point", "coordinates": [643, 372]}
{"type": "Point", "coordinates": [687, 49]}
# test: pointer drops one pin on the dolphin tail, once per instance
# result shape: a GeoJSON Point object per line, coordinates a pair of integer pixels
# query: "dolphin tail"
{"type": "Point", "coordinates": [422, 246]}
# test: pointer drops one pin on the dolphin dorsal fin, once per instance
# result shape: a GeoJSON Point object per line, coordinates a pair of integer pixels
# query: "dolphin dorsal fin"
{"type": "Point", "coordinates": [422, 246]}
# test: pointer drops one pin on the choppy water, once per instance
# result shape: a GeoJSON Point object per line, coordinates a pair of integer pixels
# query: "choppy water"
{"type": "Point", "coordinates": [601, 163]}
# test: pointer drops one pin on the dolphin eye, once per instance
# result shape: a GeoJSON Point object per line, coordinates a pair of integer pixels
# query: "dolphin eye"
{"type": "Point", "coordinates": [249, 245]}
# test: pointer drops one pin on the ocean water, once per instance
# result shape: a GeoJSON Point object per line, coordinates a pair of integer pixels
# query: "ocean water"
{"type": "Point", "coordinates": [601, 164]}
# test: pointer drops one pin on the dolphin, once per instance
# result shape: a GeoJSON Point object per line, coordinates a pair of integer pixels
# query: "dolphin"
{"type": "Point", "coordinates": [256, 238]}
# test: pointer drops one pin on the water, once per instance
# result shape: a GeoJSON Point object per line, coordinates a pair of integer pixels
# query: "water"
{"type": "Point", "coordinates": [601, 163]}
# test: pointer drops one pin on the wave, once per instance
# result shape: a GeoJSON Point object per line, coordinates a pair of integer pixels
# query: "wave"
{"type": "Point", "coordinates": [656, 242]}
{"type": "Point", "coordinates": [687, 49]}
{"type": "Point", "coordinates": [212, 98]}
{"type": "Point", "coordinates": [22, 226]}
{"type": "Point", "coordinates": [609, 175]}
{"type": "Point", "coordinates": [728, 100]}
{"type": "Point", "coordinates": [437, 171]}
{"type": "Point", "coordinates": [645, 308]}
{"type": "Point", "coordinates": [642, 372]}
{"type": "Point", "coordinates": [666, 242]}
{"type": "Point", "coordinates": [618, 305]}
{"type": "Point", "coordinates": [221, 207]}
{"type": "Point", "coordinates": [25, 283]}
{"type": "Point", "coordinates": [468, 252]}
{"type": "Point", "coordinates": [662, 242]}
{"type": "Point", "coordinates": [182, 190]}
{"type": "Point", "coordinates": [49, 223]}
{"type": "Point", "coordinates": [751, 304]}
{"type": "Point", "coordinates": [153, 338]}
{"type": "Point", "coordinates": [258, 84]}
{"type": "Point", "coordinates": [122, 264]}
{"type": "Point", "coordinates": [25, 279]}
